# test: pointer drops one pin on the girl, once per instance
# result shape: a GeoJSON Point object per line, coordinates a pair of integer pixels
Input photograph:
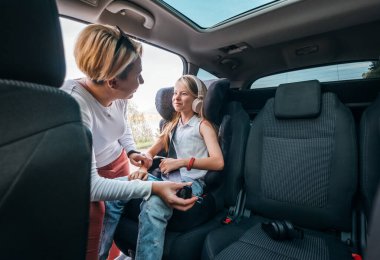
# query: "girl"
{"type": "Point", "coordinates": [196, 145]}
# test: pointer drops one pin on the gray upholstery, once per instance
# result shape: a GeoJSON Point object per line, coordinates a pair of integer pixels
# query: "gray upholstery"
{"type": "Point", "coordinates": [163, 102]}
{"type": "Point", "coordinates": [369, 154]}
{"type": "Point", "coordinates": [45, 152]}
{"type": "Point", "coordinates": [373, 251]}
{"type": "Point", "coordinates": [32, 47]}
{"type": "Point", "coordinates": [298, 100]}
{"type": "Point", "coordinates": [370, 177]}
{"type": "Point", "coordinates": [302, 170]}
{"type": "Point", "coordinates": [255, 244]}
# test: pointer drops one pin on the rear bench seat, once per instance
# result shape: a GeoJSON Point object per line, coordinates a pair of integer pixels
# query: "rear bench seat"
{"type": "Point", "coordinates": [300, 166]}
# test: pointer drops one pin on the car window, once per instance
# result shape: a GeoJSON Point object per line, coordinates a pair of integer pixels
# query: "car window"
{"type": "Point", "coordinates": [205, 75]}
{"type": "Point", "coordinates": [212, 12]}
{"type": "Point", "coordinates": [161, 68]}
{"type": "Point", "coordinates": [339, 72]}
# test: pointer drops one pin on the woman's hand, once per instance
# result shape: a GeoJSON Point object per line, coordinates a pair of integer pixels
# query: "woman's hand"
{"type": "Point", "coordinates": [140, 159]}
{"type": "Point", "coordinates": [169, 164]}
{"type": "Point", "coordinates": [167, 192]}
{"type": "Point", "coordinates": [140, 175]}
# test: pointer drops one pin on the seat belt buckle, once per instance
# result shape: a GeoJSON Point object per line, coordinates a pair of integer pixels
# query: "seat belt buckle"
{"type": "Point", "coordinates": [356, 256]}
{"type": "Point", "coordinates": [227, 220]}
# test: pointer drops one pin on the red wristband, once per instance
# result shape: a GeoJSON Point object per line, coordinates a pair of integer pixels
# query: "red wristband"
{"type": "Point", "coordinates": [190, 165]}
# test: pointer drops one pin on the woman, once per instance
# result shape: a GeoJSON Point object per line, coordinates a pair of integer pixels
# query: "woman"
{"type": "Point", "coordinates": [194, 140]}
{"type": "Point", "coordinates": [112, 65]}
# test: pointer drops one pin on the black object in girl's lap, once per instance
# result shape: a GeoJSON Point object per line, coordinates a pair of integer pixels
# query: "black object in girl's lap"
{"type": "Point", "coordinates": [185, 192]}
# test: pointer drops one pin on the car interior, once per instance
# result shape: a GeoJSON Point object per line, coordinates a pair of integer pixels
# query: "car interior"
{"type": "Point", "coordinates": [294, 97]}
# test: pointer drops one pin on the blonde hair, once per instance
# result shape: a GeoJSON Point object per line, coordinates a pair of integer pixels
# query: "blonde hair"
{"type": "Point", "coordinates": [189, 81]}
{"type": "Point", "coordinates": [99, 56]}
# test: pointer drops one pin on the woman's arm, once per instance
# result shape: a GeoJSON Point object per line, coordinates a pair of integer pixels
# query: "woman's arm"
{"type": "Point", "coordinates": [142, 173]}
{"type": "Point", "coordinates": [113, 189]}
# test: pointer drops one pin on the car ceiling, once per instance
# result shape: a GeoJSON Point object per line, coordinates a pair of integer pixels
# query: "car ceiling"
{"type": "Point", "coordinates": [288, 35]}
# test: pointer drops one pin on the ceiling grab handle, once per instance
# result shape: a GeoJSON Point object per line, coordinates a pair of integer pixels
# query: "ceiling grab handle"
{"type": "Point", "coordinates": [118, 6]}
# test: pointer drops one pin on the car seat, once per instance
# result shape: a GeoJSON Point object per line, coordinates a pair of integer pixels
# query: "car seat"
{"type": "Point", "coordinates": [300, 167]}
{"type": "Point", "coordinates": [222, 187]}
{"type": "Point", "coordinates": [45, 152]}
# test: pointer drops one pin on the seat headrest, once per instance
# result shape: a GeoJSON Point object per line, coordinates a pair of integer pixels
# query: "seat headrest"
{"type": "Point", "coordinates": [164, 104]}
{"type": "Point", "coordinates": [298, 100]}
{"type": "Point", "coordinates": [31, 46]}
{"type": "Point", "coordinates": [213, 102]}
{"type": "Point", "coordinates": [215, 99]}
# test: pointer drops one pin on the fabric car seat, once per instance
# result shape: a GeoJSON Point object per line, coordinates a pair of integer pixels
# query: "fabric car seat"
{"type": "Point", "coordinates": [300, 166]}
{"type": "Point", "coordinates": [372, 251]}
{"type": "Point", "coordinates": [369, 164]}
{"type": "Point", "coordinates": [186, 230]}
{"type": "Point", "coordinates": [45, 152]}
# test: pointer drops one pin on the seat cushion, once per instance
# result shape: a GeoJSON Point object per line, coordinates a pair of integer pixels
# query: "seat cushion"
{"type": "Point", "coordinates": [254, 243]}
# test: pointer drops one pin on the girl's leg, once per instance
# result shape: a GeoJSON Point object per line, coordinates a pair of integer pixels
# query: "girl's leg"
{"type": "Point", "coordinates": [153, 219]}
{"type": "Point", "coordinates": [114, 209]}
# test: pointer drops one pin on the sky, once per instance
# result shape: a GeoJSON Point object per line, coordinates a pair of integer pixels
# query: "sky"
{"type": "Point", "coordinates": [207, 13]}
{"type": "Point", "coordinates": [160, 68]}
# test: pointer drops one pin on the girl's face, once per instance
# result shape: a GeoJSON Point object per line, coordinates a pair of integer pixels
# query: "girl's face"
{"type": "Point", "coordinates": [128, 86]}
{"type": "Point", "coordinates": [182, 98]}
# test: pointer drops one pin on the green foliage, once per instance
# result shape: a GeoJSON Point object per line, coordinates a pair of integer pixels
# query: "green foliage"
{"type": "Point", "coordinates": [373, 70]}
{"type": "Point", "coordinates": [141, 131]}
{"type": "Point", "coordinates": [144, 145]}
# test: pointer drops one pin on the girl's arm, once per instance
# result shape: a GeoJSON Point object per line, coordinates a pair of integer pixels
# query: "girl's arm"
{"type": "Point", "coordinates": [215, 160]}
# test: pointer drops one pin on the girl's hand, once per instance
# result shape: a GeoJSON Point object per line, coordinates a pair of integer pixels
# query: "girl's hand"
{"type": "Point", "coordinates": [169, 164]}
{"type": "Point", "coordinates": [139, 175]}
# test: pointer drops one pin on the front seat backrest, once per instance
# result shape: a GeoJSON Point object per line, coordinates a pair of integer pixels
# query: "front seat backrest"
{"type": "Point", "coordinates": [45, 152]}
{"type": "Point", "coordinates": [301, 160]}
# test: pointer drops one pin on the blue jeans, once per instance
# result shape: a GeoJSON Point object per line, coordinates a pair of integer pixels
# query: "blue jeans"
{"type": "Point", "coordinates": [113, 211]}
{"type": "Point", "coordinates": [152, 223]}
{"type": "Point", "coordinates": [153, 219]}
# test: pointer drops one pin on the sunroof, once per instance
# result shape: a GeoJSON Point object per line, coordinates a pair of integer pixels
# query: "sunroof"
{"type": "Point", "coordinates": [208, 13]}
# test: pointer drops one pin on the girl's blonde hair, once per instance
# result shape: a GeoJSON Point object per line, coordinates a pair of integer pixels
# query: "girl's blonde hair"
{"type": "Point", "coordinates": [103, 52]}
{"type": "Point", "coordinates": [190, 84]}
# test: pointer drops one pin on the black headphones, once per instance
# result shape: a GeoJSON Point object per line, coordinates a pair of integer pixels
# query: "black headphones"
{"type": "Point", "coordinates": [282, 230]}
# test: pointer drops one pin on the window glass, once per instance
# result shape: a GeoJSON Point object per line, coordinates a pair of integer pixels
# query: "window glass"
{"type": "Point", "coordinates": [205, 75]}
{"type": "Point", "coordinates": [160, 69]}
{"type": "Point", "coordinates": [348, 71]}
{"type": "Point", "coordinates": [211, 12]}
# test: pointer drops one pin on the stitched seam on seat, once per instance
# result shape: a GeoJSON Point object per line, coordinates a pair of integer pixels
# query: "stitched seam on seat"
{"type": "Point", "coordinates": [14, 183]}
{"type": "Point", "coordinates": [38, 132]}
